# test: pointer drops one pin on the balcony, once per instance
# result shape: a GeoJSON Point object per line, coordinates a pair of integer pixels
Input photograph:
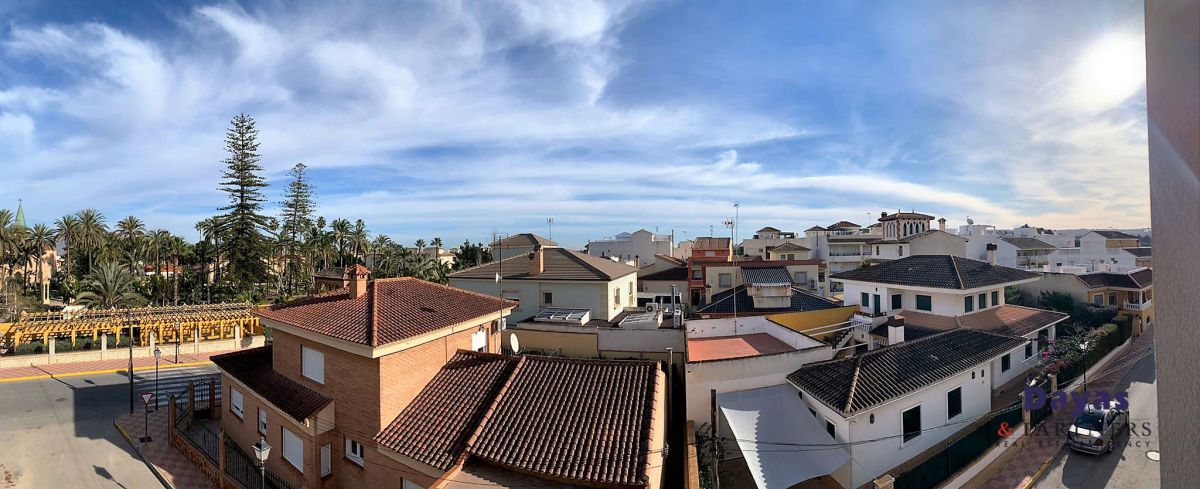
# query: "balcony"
{"type": "Point", "coordinates": [1137, 307]}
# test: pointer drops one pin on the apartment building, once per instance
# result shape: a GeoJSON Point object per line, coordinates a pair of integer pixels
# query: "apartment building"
{"type": "Point", "coordinates": [705, 250]}
{"type": "Point", "coordinates": [1103, 251]}
{"type": "Point", "coordinates": [762, 287]}
{"type": "Point", "coordinates": [549, 276]}
{"type": "Point", "coordinates": [765, 240]}
{"type": "Point", "coordinates": [637, 248]}
{"type": "Point", "coordinates": [909, 233]}
{"type": "Point", "coordinates": [789, 251]}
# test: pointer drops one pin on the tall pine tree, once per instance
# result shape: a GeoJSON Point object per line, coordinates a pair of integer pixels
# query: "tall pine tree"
{"type": "Point", "coordinates": [244, 245]}
{"type": "Point", "coordinates": [297, 217]}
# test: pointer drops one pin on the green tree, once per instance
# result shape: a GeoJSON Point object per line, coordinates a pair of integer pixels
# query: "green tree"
{"type": "Point", "coordinates": [243, 223]}
{"type": "Point", "coordinates": [65, 230]}
{"type": "Point", "coordinates": [39, 239]}
{"type": "Point", "coordinates": [471, 255]}
{"type": "Point", "coordinates": [1057, 301]}
{"type": "Point", "coordinates": [93, 234]}
{"type": "Point", "coordinates": [110, 286]}
{"type": "Point", "coordinates": [297, 219]}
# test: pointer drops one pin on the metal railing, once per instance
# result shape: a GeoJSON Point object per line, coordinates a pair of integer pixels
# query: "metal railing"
{"type": "Point", "coordinates": [244, 469]}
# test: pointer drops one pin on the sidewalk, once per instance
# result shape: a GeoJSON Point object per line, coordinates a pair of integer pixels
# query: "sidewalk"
{"type": "Point", "coordinates": [101, 367]}
{"type": "Point", "coordinates": [170, 464]}
{"type": "Point", "coordinates": [1020, 466]}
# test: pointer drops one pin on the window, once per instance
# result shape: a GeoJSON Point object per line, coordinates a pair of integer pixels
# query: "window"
{"type": "Point", "coordinates": [1112, 298]}
{"type": "Point", "coordinates": [900, 250]}
{"type": "Point", "coordinates": [479, 341]}
{"type": "Point", "coordinates": [293, 450]}
{"type": "Point", "coordinates": [953, 403]}
{"type": "Point", "coordinates": [924, 303]}
{"type": "Point", "coordinates": [800, 278]}
{"type": "Point", "coordinates": [262, 421]}
{"type": "Point", "coordinates": [897, 301]}
{"type": "Point", "coordinates": [617, 297]}
{"type": "Point", "coordinates": [995, 298]}
{"type": "Point", "coordinates": [968, 303]}
{"type": "Point", "coordinates": [876, 250]}
{"type": "Point", "coordinates": [547, 298]}
{"type": "Point", "coordinates": [326, 465]}
{"type": "Point", "coordinates": [911, 421]}
{"type": "Point", "coordinates": [829, 428]}
{"type": "Point", "coordinates": [354, 451]}
{"type": "Point", "coordinates": [983, 301]}
{"type": "Point", "coordinates": [1028, 350]}
{"type": "Point", "coordinates": [1098, 299]}
{"type": "Point", "coordinates": [724, 280]}
{"type": "Point", "coordinates": [698, 274]}
{"type": "Point", "coordinates": [235, 403]}
{"type": "Point", "coordinates": [866, 299]}
{"type": "Point", "coordinates": [710, 253]}
{"type": "Point", "coordinates": [412, 485]}
{"type": "Point", "coordinates": [312, 364]}
{"type": "Point", "coordinates": [1005, 362]}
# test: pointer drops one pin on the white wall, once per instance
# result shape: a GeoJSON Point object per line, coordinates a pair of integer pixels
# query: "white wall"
{"type": "Point", "coordinates": [947, 303]}
{"type": "Point", "coordinates": [595, 296]}
{"type": "Point", "coordinates": [642, 244]}
{"type": "Point", "coordinates": [741, 374]}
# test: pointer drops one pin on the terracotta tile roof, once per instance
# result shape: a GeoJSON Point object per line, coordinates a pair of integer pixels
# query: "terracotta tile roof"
{"type": "Point", "coordinates": [789, 246]}
{"type": "Point", "coordinates": [439, 421]}
{"type": "Point", "coordinates": [853, 384]}
{"type": "Point", "coordinates": [937, 271]}
{"type": "Point", "coordinates": [558, 264]}
{"type": "Point", "coordinates": [572, 420]}
{"type": "Point", "coordinates": [707, 243]}
{"type": "Point", "coordinates": [252, 367]}
{"type": "Point", "coordinates": [768, 229]}
{"type": "Point", "coordinates": [391, 310]}
{"type": "Point", "coordinates": [524, 240]}
{"type": "Point", "coordinates": [844, 225]}
{"type": "Point", "coordinates": [729, 347]}
{"type": "Point", "coordinates": [1008, 319]}
{"type": "Point", "coordinates": [1139, 279]}
{"type": "Point", "coordinates": [815, 228]}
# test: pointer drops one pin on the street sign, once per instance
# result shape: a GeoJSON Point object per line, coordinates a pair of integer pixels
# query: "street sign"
{"type": "Point", "coordinates": [146, 397]}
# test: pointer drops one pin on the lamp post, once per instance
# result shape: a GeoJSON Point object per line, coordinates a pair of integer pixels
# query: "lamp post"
{"type": "Point", "coordinates": [129, 319]}
{"type": "Point", "coordinates": [261, 451]}
{"type": "Point", "coordinates": [157, 354]}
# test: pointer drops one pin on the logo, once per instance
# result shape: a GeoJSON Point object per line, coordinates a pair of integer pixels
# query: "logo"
{"type": "Point", "coordinates": [1004, 430]}
{"type": "Point", "coordinates": [1036, 398]}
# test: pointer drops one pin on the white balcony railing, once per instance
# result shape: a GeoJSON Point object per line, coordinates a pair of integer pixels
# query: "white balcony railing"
{"type": "Point", "coordinates": [1138, 307]}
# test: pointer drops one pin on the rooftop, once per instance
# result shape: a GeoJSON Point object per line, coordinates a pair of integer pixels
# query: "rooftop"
{"type": "Point", "coordinates": [766, 276]}
{"type": "Point", "coordinates": [1143, 251]}
{"type": "Point", "coordinates": [937, 271]}
{"type": "Point", "coordinates": [1138, 279]}
{"type": "Point", "coordinates": [1007, 319]}
{"type": "Point", "coordinates": [845, 225]}
{"type": "Point", "coordinates": [1029, 243]}
{"type": "Point", "coordinates": [905, 215]}
{"type": "Point", "coordinates": [558, 264]}
{"type": "Point", "coordinates": [853, 384]}
{"type": "Point", "coordinates": [524, 240]}
{"type": "Point", "coordinates": [252, 367]}
{"type": "Point", "coordinates": [802, 300]}
{"type": "Point", "coordinates": [730, 347]}
{"type": "Point", "coordinates": [673, 273]}
{"type": "Point", "coordinates": [571, 420]}
{"type": "Point", "coordinates": [1113, 234]}
{"type": "Point", "coordinates": [789, 246]}
{"type": "Point", "coordinates": [706, 243]}
{"type": "Point", "coordinates": [391, 310]}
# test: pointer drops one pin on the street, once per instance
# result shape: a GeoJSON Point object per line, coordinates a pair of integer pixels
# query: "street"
{"type": "Point", "coordinates": [1127, 465]}
{"type": "Point", "coordinates": [60, 432]}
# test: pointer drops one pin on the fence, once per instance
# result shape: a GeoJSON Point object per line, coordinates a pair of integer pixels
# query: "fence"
{"type": "Point", "coordinates": [1104, 345]}
{"type": "Point", "coordinates": [246, 471]}
{"type": "Point", "coordinates": [1036, 416]}
{"type": "Point", "coordinates": [959, 454]}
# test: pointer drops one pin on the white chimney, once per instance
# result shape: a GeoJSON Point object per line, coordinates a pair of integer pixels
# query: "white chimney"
{"type": "Point", "coordinates": [537, 261]}
{"type": "Point", "coordinates": [942, 224]}
{"type": "Point", "coordinates": [895, 330]}
{"type": "Point", "coordinates": [991, 253]}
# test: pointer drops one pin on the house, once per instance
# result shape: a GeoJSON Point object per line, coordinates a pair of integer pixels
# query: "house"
{"type": "Point", "coordinates": [660, 280]}
{"type": "Point", "coordinates": [340, 367]}
{"type": "Point", "coordinates": [1142, 256]}
{"type": "Point", "coordinates": [633, 334]}
{"type": "Point", "coordinates": [1102, 251]}
{"type": "Point", "coordinates": [683, 249]}
{"type": "Point", "coordinates": [789, 251]}
{"type": "Point", "coordinates": [1011, 251]}
{"type": "Point", "coordinates": [939, 292]}
{"type": "Point", "coordinates": [637, 248]}
{"type": "Point", "coordinates": [883, 407]}
{"type": "Point", "coordinates": [765, 240]}
{"type": "Point", "coordinates": [335, 278]}
{"type": "Point", "coordinates": [705, 250]}
{"type": "Point", "coordinates": [529, 421]}
{"type": "Point", "coordinates": [518, 244]}
{"type": "Point", "coordinates": [549, 276]}
{"type": "Point", "coordinates": [762, 287]}
{"type": "Point", "coordinates": [720, 277]}
{"type": "Point", "coordinates": [1130, 293]}
{"type": "Point", "coordinates": [1109, 239]}
{"type": "Point", "coordinates": [909, 233]}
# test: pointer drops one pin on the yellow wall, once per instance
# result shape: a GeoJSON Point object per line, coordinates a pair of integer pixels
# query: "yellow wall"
{"type": "Point", "coordinates": [576, 345]}
{"type": "Point", "coordinates": [809, 320]}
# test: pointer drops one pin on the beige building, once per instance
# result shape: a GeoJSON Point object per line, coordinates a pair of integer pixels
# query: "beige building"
{"type": "Point", "coordinates": [518, 244]}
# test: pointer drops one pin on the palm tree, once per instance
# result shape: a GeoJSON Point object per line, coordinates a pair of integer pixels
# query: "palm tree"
{"type": "Point", "coordinates": [378, 247]}
{"type": "Point", "coordinates": [176, 247]}
{"type": "Point", "coordinates": [130, 231]}
{"type": "Point", "coordinates": [40, 238]}
{"type": "Point", "coordinates": [157, 241]}
{"type": "Point", "coordinates": [92, 232]}
{"type": "Point", "coordinates": [341, 238]}
{"type": "Point", "coordinates": [110, 286]}
{"type": "Point", "coordinates": [66, 228]}
{"type": "Point", "coordinates": [360, 238]}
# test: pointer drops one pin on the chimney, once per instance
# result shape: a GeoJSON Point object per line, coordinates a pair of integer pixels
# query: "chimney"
{"type": "Point", "coordinates": [942, 224]}
{"type": "Point", "coordinates": [895, 330]}
{"type": "Point", "coordinates": [883, 214]}
{"type": "Point", "coordinates": [537, 261]}
{"type": "Point", "coordinates": [358, 280]}
{"type": "Point", "coordinates": [991, 253]}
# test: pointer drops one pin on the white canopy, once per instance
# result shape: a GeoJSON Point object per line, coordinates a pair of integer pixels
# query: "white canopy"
{"type": "Point", "coordinates": [781, 440]}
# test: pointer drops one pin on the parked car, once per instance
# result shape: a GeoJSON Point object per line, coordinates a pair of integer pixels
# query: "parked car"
{"type": "Point", "coordinates": [1097, 429]}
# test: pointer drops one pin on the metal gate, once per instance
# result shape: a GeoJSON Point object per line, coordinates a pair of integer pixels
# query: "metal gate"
{"type": "Point", "coordinates": [202, 389]}
{"type": "Point", "coordinates": [1036, 416]}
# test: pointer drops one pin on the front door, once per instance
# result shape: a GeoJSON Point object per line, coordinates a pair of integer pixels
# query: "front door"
{"type": "Point", "coordinates": [876, 303]}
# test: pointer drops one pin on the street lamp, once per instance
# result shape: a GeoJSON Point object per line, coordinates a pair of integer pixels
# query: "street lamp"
{"type": "Point", "coordinates": [157, 354]}
{"type": "Point", "coordinates": [261, 451]}
{"type": "Point", "coordinates": [129, 319]}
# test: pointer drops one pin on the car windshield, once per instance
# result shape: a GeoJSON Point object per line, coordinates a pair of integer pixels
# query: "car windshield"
{"type": "Point", "coordinates": [1093, 421]}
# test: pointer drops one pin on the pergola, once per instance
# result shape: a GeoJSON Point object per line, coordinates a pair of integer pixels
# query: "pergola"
{"type": "Point", "coordinates": [169, 324]}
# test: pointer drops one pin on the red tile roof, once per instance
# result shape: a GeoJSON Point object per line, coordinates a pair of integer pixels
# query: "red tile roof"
{"type": "Point", "coordinates": [729, 347]}
{"type": "Point", "coordinates": [569, 420]}
{"type": "Point", "coordinates": [252, 367]}
{"type": "Point", "coordinates": [391, 310]}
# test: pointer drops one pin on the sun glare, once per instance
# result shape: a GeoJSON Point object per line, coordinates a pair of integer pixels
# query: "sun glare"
{"type": "Point", "coordinates": [1111, 70]}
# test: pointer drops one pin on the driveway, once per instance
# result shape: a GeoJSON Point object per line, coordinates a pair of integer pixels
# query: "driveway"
{"type": "Point", "coordinates": [1128, 465]}
{"type": "Point", "coordinates": [59, 432]}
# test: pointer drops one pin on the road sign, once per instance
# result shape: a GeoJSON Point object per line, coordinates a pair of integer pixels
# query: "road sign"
{"type": "Point", "coordinates": [146, 397]}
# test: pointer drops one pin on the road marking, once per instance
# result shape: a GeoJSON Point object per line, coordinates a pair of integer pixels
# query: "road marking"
{"type": "Point", "coordinates": [1152, 455]}
{"type": "Point", "coordinates": [101, 372]}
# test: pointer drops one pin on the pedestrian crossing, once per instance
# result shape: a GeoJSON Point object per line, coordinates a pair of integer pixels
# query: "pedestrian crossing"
{"type": "Point", "coordinates": [174, 381]}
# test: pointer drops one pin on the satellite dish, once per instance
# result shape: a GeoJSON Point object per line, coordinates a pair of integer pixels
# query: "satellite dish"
{"type": "Point", "coordinates": [513, 343]}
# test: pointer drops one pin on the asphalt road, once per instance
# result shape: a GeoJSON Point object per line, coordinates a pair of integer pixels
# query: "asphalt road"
{"type": "Point", "coordinates": [59, 432]}
{"type": "Point", "coordinates": [1127, 466]}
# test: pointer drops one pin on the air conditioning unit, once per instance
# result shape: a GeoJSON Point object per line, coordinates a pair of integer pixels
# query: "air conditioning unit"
{"type": "Point", "coordinates": [651, 307]}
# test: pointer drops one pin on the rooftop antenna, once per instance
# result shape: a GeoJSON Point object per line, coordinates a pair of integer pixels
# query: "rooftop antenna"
{"type": "Point", "coordinates": [732, 225]}
{"type": "Point", "coordinates": [550, 225]}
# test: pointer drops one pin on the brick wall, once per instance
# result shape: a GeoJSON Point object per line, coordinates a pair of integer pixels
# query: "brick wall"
{"type": "Point", "coordinates": [244, 432]}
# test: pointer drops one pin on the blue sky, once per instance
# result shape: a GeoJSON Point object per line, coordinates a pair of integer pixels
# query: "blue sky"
{"type": "Point", "coordinates": [457, 119]}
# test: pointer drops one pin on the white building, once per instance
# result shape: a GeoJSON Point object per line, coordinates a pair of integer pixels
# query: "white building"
{"type": "Point", "coordinates": [1101, 251]}
{"type": "Point", "coordinates": [555, 277]}
{"type": "Point", "coordinates": [767, 239]}
{"type": "Point", "coordinates": [637, 248]}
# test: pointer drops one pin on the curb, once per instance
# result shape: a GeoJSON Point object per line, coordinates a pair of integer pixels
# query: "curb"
{"type": "Point", "coordinates": [1041, 470]}
{"type": "Point", "coordinates": [152, 467]}
{"type": "Point", "coordinates": [103, 372]}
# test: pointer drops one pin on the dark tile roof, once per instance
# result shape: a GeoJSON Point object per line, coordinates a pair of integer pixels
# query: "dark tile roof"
{"type": "Point", "coordinates": [524, 240]}
{"type": "Point", "coordinates": [1110, 234]}
{"type": "Point", "coordinates": [1140, 252]}
{"type": "Point", "coordinates": [673, 273]}
{"type": "Point", "coordinates": [252, 367]}
{"type": "Point", "coordinates": [911, 332]}
{"type": "Point", "coordinates": [436, 426]}
{"type": "Point", "coordinates": [558, 264]}
{"type": "Point", "coordinates": [392, 309]}
{"type": "Point", "coordinates": [1008, 319]}
{"type": "Point", "coordinates": [789, 247]}
{"type": "Point", "coordinates": [766, 276]}
{"type": "Point", "coordinates": [937, 271]}
{"type": "Point", "coordinates": [677, 261]}
{"type": "Point", "coordinates": [1029, 243]}
{"type": "Point", "coordinates": [815, 228]}
{"type": "Point", "coordinates": [905, 215]}
{"type": "Point", "coordinates": [768, 229]}
{"type": "Point", "coordinates": [801, 301]}
{"type": "Point", "coordinates": [844, 224]}
{"type": "Point", "coordinates": [1139, 279]}
{"type": "Point", "coordinates": [573, 420]}
{"type": "Point", "coordinates": [853, 384]}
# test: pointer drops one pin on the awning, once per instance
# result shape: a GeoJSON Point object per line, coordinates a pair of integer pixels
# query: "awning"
{"type": "Point", "coordinates": [781, 440]}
